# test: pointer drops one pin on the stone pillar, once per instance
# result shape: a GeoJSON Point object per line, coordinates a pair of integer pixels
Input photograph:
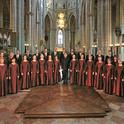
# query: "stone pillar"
{"type": "Point", "coordinates": [118, 13]}
{"type": "Point", "coordinates": [91, 23]}
{"type": "Point", "coordinates": [41, 20]}
{"type": "Point", "coordinates": [30, 14]}
{"type": "Point", "coordinates": [13, 15]}
{"type": "Point", "coordinates": [21, 36]}
{"type": "Point", "coordinates": [122, 24]}
{"type": "Point", "coordinates": [83, 26]}
{"type": "Point", "coordinates": [122, 15]}
{"type": "Point", "coordinates": [100, 25]}
{"type": "Point", "coordinates": [67, 37]}
{"type": "Point", "coordinates": [33, 25]}
{"type": "Point", "coordinates": [87, 42]}
{"type": "Point", "coordinates": [38, 22]}
{"type": "Point", "coordinates": [108, 25]}
{"type": "Point", "coordinates": [1, 14]}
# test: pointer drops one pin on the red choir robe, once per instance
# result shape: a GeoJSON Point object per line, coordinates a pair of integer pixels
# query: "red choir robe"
{"type": "Point", "coordinates": [42, 72]}
{"type": "Point", "coordinates": [56, 71]}
{"type": "Point", "coordinates": [73, 69]}
{"type": "Point", "coordinates": [81, 72]}
{"type": "Point", "coordinates": [109, 79]}
{"type": "Point", "coordinates": [90, 74]}
{"type": "Point", "coordinates": [50, 69]}
{"type": "Point", "coordinates": [25, 75]}
{"type": "Point", "coordinates": [34, 73]}
{"type": "Point", "coordinates": [3, 79]}
{"type": "Point", "coordinates": [117, 90]}
{"type": "Point", "coordinates": [13, 78]}
{"type": "Point", "coordinates": [99, 75]}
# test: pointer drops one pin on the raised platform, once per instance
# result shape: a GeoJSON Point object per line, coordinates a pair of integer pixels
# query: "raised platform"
{"type": "Point", "coordinates": [63, 102]}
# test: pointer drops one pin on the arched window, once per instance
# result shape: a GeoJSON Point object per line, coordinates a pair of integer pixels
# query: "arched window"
{"type": "Point", "coordinates": [60, 37]}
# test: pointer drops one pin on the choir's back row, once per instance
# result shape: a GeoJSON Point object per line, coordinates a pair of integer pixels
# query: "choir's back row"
{"type": "Point", "coordinates": [19, 72]}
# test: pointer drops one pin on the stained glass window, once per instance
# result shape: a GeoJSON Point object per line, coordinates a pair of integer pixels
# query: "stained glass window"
{"type": "Point", "coordinates": [60, 37]}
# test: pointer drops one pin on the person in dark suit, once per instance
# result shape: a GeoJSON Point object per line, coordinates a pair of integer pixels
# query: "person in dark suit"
{"type": "Point", "coordinates": [46, 54]}
{"type": "Point", "coordinates": [55, 53]}
{"type": "Point", "coordinates": [29, 56]}
{"type": "Point", "coordinates": [89, 54]}
{"type": "Point", "coordinates": [99, 54]}
{"type": "Point", "coordinates": [37, 54]}
{"type": "Point", "coordinates": [71, 54]}
{"type": "Point", "coordinates": [109, 56]}
{"type": "Point", "coordinates": [80, 52]}
{"type": "Point", "coordinates": [18, 57]}
{"type": "Point", "coordinates": [62, 55]}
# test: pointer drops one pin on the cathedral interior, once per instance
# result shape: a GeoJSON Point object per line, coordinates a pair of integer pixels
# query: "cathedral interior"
{"type": "Point", "coordinates": [71, 24]}
{"type": "Point", "coordinates": [77, 24]}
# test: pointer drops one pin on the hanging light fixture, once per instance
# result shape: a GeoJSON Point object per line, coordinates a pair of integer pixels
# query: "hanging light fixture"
{"type": "Point", "coordinates": [61, 21]}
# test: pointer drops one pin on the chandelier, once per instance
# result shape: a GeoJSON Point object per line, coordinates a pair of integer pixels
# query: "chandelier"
{"type": "Point", "coordinates": [61, 21]}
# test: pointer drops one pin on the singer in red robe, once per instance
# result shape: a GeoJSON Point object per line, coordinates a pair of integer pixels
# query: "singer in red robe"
{"type": "Point", "coordinates": [56, 70]}
{"type": "Point", "coordinates": [34, 72]}
{"type": "Point", "coordinates": [13, 76]}
{"type": "Point", "coordinates": [90, 72]}
{"type": "Point", "coordinates": [109, 77]}
{"type": "Point", "coordinates": [42, 69]}
{"type": "Point", "coordinates": [25, 73]}
{"type": "Point", "coordinates": [99, 74]}
{"type": "Point", "coordinates": [3, 78]}
{"type": "Point", "coordinates": [73, 70]}
{"type": "Point", "coordinates": [50, 69]}
{"type": "Point", "coordinates": [118, 79]}
{"type": "Point", "coordinates": [81, 71]}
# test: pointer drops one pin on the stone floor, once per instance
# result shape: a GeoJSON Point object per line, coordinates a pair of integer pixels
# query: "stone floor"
{"type": "Point", "coordinates": [9, 103]}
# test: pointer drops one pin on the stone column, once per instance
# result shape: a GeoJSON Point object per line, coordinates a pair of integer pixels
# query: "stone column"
{"type": "Point", "coordinates": [99, 22]}
{"type": "Point", "coordinates": [82, 25]}
{"type": "Point", "coordinates": [87, 25]}
{"type": "Point", "coordinates": [100, 25]}
{"type": "Point", "coordinates": [67, 37]}
{"type": "Point", "coordinates": [30, 14]}
{"type": "Point", "coordinates": [13, 15]}
{"type": "Point", "coordinates": [122, 15]}
{"type": "Point", "coordinates": [118, 13]}
{"type": "Point", "coordinates": [1, 14]}
{"type": "Point", "coordinates": [21, 36]}
{"type": "Point", "coordinates": [33, 24]}
{"type": "Point", "coordinates": [108, 25]}
{"type": "Point", "coordinates": [122, 24]}
{"type": "Point", "coordinates": [37, 23]}
{"type": "Point", "coordinates": [91, 22]}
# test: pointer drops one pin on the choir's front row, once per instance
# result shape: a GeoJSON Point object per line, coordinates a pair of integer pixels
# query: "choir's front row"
{"type": "Point", "coordinates": [39, 73]}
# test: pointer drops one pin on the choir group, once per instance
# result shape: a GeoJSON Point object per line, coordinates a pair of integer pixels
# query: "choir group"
{"type": "Point", "coordinates": [19, 72]}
